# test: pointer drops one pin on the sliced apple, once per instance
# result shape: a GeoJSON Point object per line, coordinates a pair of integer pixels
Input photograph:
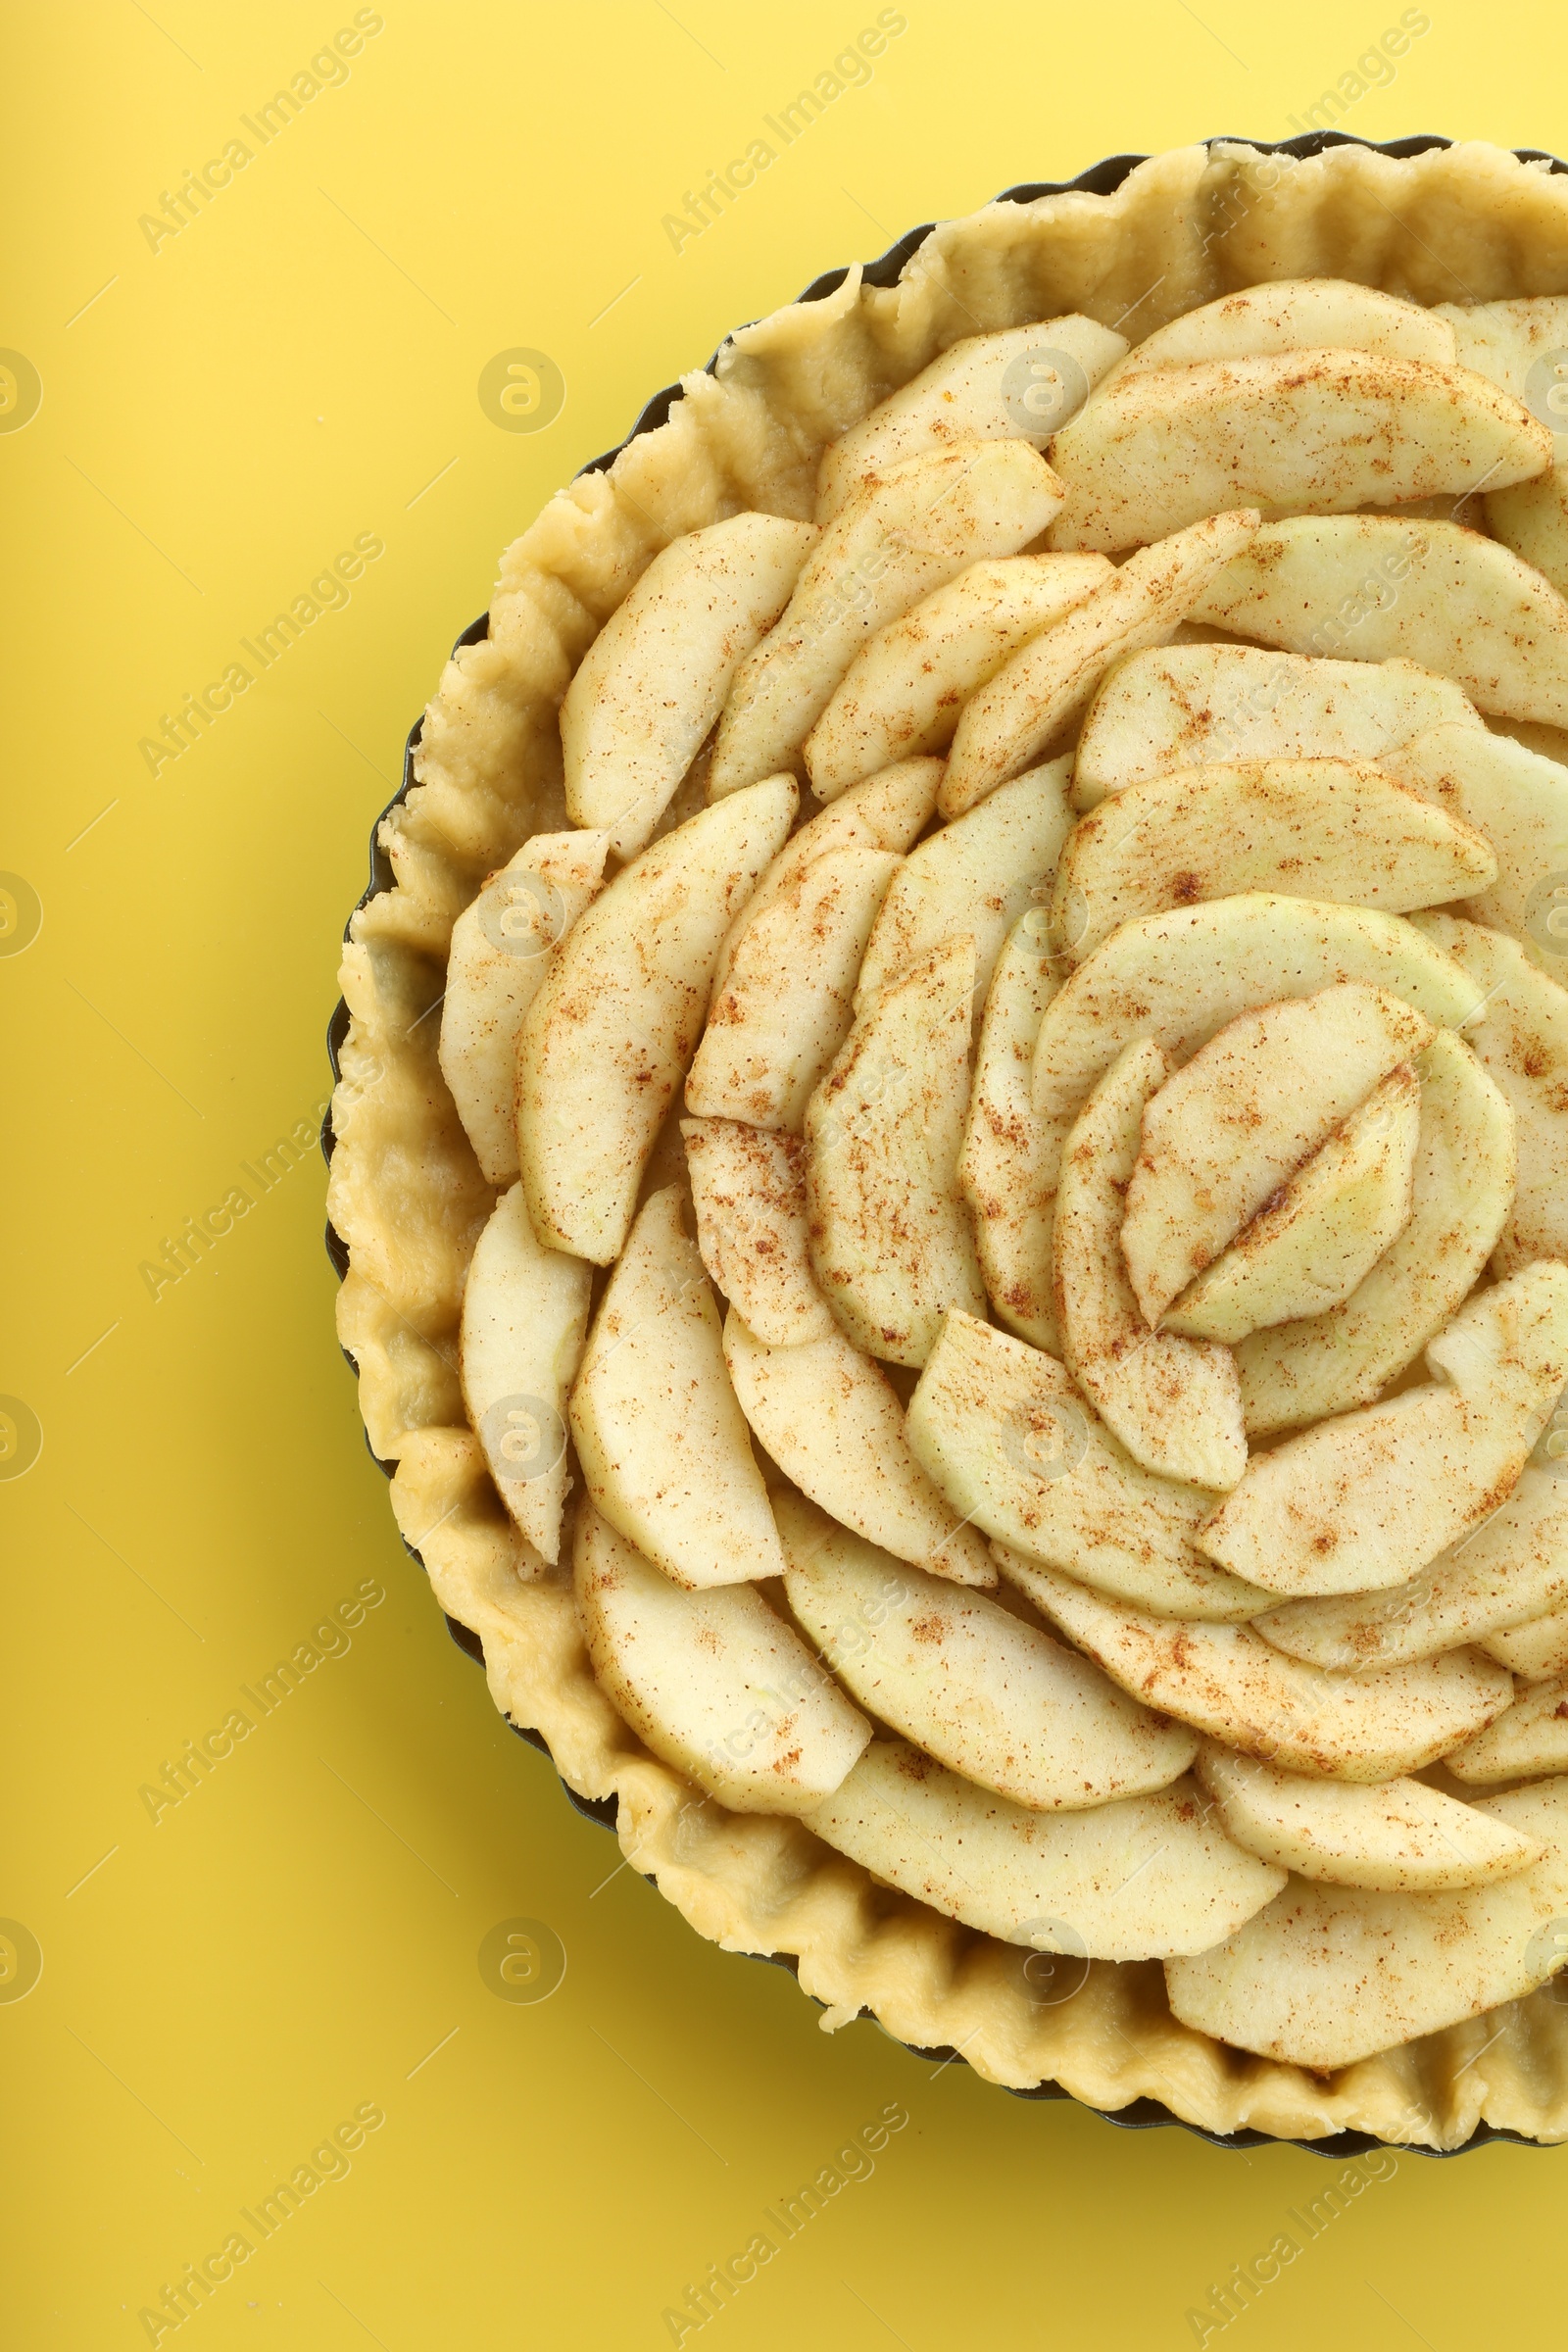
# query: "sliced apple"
{"type": "Point", "coordinates": [499, 956]}
{"type": "Point", "coordinates": [1129, 1880]}
{"type": "Point", "coordinates": [749, 1194]}
{"type": "Point", "coordinates": [1527, 1740]}
{"type": "Point", "coordinates": [1289, 431]}
{"type": "Point", "coordinates": [998, 1168]}
{"type": "Point", "coordinates": [608, 1038]}
{"type": "Point", "coordinates": [655, 678]}
{"type": "Point", "coordinates": [1330, 830]}
{"type": "Point", "coordinates": [1366, 1500]}
{"type": "Point", "coordinates": [1329, 1975]}
{"type": "Point", "coordinates": [1192, 706]}
{"type": "Point", "coordinates": [1025, 380]}
{"type": "Point", "coordinates": [1533, 520]}
{"type": "Point", "coordinates": [891, 1242]}
{"type": "Point", "coordinates": [786, 1005]}
{"type": "Point", "coordinates": [1252, 1105]}
{"type": "Point", "coordinates": [1174, 1402]}
{"type": "Point", "coordinates": [831, 1420]}
{"type": "Point", "coordinates": [524, 1312]}
{"type": "Point", "coordinates": [1398, 1834]}
{"type": "Point", "coordinates": [661, 1441]}
{"type": "Point", "coordinates": [1513, 797]}
{"type": "Point", "coordinates": [1008, 724]}
{"type": "Point", "coordinates": [1505, 1573]}
{"type": "Point", "coordinates": [1432, 592]}
{"type": "Point", "coordinates": [1522, 1041]}
{"type": "Point", "coordinates": [1317, 1238]}
{"type": "Point", "coordinates": [1520, 345]}
{"type": "Point", "coordinates": [904, 692]}
{"type": "Point", "coordinates": [1000, 1430]}
{"type": "Point", "coordinates": [713, 1683]}
{"type": "Point", "coordinates": [974, 1685]}
{"type": "Point", "coordinates": [907, 533]}
{"type": "Point", "coordinates": [1227, 1680]}
{"type": "Point", "coordinates": [976, 875]}
{"type": "Point", "coordinates": [1296, 313]}
{"type": "Point", "coordinates": [1535, 1652]}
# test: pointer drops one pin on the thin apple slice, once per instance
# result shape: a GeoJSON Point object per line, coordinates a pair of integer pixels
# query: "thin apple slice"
{"type": "Point", "coordinates": [891, 1244]}
{"type": "Point", "coordinates": [904, 692]}
{"type": "Point", "coordinates": [1308, 828]}
{"type": "Point", "coordinates": [787, 1001]}
{"type": "Point", "coordinates": [608, 1038]}
{"type": "Point", "coordinates": [1532, 520]}
{"type": "Point", "coordinates": [1249, 1108]}
{"type": "Point", "coordinates": [1432, 592]}
{"type": "Point", "coordinates": [1008, 724]}
{"type": "Point", "coordinates": [1174, 1402]}
{"type": "Point", "coordinates": [524, 1312]}
{"type": "Point", "coordinates": [976, 875]}
{"type": "Point", "coordinates": [1227, 1680]}
{"type": "Point", "coordinates": [1297, 314]}
{"type": "Point", "coordinates": [1512, 796]}
{"type": "Point", "coordinates": [1129, 1880]}
{"type": "Point", "coordinates": [749, 1194]}
{"type": "Point", "coordinates": [655, 678]}
{"type": "Point", "coordinates": [1368, 1500]}
{"type": "Point", "coordinates": [908, 532]}
{"type": "Point", "coordinates": [995, 1698]}
{"type": "Point", "coordinates": [661, 1441]}
{"type": "Point", "coordinates": [1321, 431]}
{"type": "Point", "coordinates": [1329, 1975]}
{"type": "Point", "coordinates": [713, 1683]}
{"type": "Point", "coordinates": [499, 957]}
{"type": "Point", "coordinates": [1522, 1041]}
{"type": "Point", "coordinates": [1025, 380]}
{"type": "Point", "coordinates": [1504, 1574]}
{"type": "Point", "coordinates": [1396, 1834]}
{"type": "Point", "coordinates": [1520, 345]}
{"type": "Point", "coordinates": [999, 1167]}
{"type": "Point", "coordinates": [1196, 706]}
{"type": "Point", "coordinates": [1319, 1237]}
{"type": "Point", "coordinates": [1527, 1740]}
{"type": "Point", "coordinates": [1537, 1652]}
{"type": "Point", "coordinates": [997, 1425]}
{"type": "Point", "coordinates": [832, 1421]}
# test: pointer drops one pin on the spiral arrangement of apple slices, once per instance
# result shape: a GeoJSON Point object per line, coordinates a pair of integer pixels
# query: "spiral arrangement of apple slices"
{"type": "Point", "coordinates": [1126, 1127]}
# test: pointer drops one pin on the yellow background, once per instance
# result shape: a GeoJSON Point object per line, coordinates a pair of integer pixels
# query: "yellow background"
{"type": "Point", "coordinates": [220, 418]}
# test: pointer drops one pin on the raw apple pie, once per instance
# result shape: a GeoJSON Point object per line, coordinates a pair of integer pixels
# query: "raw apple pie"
{"type": "Point", "coordinates": [969, 1285]}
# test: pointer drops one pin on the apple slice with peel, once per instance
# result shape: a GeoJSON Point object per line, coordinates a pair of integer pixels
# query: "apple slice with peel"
{"type": "Point", "coordinates": [1432, 592]}
{"type": "Point", "coordinates": [974, 1685]}
{"type": "Point", "coordinates": [1174, 1404]}
{"type": "Point", "coordinates": [1128, 1880]}
{"type": "Point", "coordinates": [1296, 313]}
{"type": "Point", "coordinates": [999, 1167]}
{"type": "Point", "coordinates": [1515, 796]}
{"type": "Point", "coordinates": [1329, 1975]}
{"type": "Point", "coordinates": [1254, 1103]}
{"type": "Point", "coordinates": [906, 533]}
{"type": "Point", "coordinates": [1316, 1239]}
{"type": "Point", "coordinates": [609, 1037]}
{"type": "Point", "coordinates": [1529, 1738]}
{"type": "Point", "coordinates": [1522, 1041]}
{"type": "Point", "coordinates": [1393, 1833]}
{"type": "Point", "coordinates": [787, 1003]}
{"type": "Point", "coordinates": [661, 1441]}
{"type": "Point", "coordinates": [891, 1243]}
{"type": "Point", "coordinates": [976, 875]}
{"type": "Point", "coordinates": [1537, 1652]}
{"type": "Point", "coordinates": [524, 1312]}
{"type": "Point", "coordinates": [1026, 379]}
{"type": "Point", "coordinates": [1227, 1680]}
{"type": "Point", "coordinates": [831, 1420]}
{"type": "Point", "coordinates": [997, 1426]}
{"type": "Point", "coordinates": [1366, 1500]}
{"type": "Point", "coordinates": [903, 694]}
{"type": "Point", "coordinates": [1462, 1188]}
{"type": "Point", "coordinates": [1507, 1571]}
{"type": "Point", "coordinates": [1193, 705]}
{"type": "Point", "coordinates": [1331, 829]}
{"type": "Point", "coordinates": [499, 957]}
{"type": "Point", "coordinates": [749, 1194]}
{"type": "Point", "coordinates": [715, 1682]}
{"type": "Point", "coordinates": [1008, 724]}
